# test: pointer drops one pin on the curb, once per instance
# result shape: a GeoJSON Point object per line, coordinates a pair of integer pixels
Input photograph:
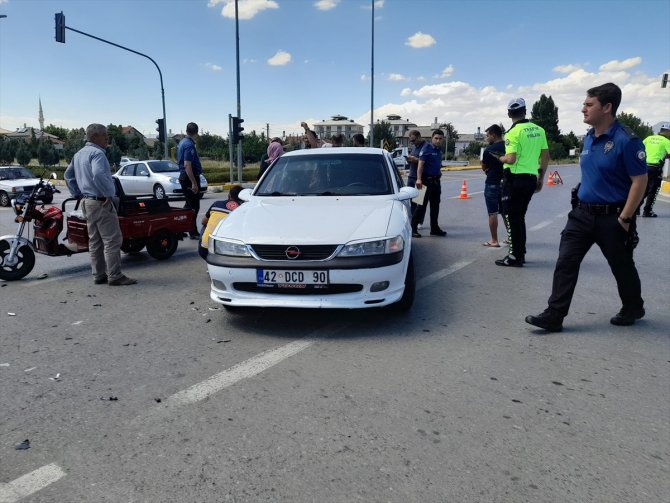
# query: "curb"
{"type": "Point", "coordinates": [665, 187]}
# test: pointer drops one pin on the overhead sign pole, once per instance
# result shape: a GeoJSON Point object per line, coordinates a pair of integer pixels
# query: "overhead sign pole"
{"type": "Point", "coordinates": [60, 37]}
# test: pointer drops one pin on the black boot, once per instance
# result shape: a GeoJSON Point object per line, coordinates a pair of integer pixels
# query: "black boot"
{"type": "Point", "coordinates": [548, 320]}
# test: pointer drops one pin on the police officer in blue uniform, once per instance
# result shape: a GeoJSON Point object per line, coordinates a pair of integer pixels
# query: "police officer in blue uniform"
{"type": "Point", "coordinates": [614, 179]}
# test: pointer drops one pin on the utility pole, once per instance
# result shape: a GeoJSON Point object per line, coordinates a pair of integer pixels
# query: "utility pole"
{"type": "Point", "coordinates": [230, 145]}
{"type": "Point", "coordinates": [239, 106]}
{"type": "Point", "coordinates": [372, 79]}
{"type": "Point", "coordinates": [267, 131]}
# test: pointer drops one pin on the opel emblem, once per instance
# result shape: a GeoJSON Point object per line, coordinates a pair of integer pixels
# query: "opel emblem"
{"type": "Point", "coordinates": [293, 252]}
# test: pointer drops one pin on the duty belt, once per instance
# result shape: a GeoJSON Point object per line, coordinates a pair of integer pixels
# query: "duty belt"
{"type": "Point", "coordinates": [601, 209]}
{"type": "Point", "coordinates": [95, 198]}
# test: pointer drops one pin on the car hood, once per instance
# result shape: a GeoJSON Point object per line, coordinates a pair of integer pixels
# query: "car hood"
{"type": "Point", "coordinates": [308, 220]}
{"type": "Point", "coordinates": [23, 182]}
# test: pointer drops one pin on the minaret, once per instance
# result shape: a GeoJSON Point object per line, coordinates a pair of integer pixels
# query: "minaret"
{"type": "Point", "coordinates": [41, 117]}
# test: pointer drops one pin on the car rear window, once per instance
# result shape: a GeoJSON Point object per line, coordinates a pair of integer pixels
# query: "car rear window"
{"type": "Point", "coordinates": [163, 166]}
{"type": "Point", "coordinates": [327, 175]}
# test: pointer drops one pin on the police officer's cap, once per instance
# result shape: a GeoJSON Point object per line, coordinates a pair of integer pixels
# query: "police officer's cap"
{"type": "Point", "coordinates": [516, 104]}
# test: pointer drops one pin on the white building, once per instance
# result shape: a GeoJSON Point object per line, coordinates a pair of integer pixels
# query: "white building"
{"type": "Point", "coordinates": [337, 124]}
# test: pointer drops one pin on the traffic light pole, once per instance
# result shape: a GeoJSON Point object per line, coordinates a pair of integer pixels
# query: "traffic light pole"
{"type": "Point", "coordinates": [239, 106]}
{"type": "Point", "coordinates": [160, 74]}
{"type": "Point", "coordinates": [230, 145]}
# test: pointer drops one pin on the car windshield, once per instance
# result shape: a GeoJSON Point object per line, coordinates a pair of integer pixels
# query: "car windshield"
{"type": "Point", "coordinates": [17, 173]}
{"type": "Point", "coordinates": [163, 166]}
{"type": "Point", "coordinates": [327, 175]}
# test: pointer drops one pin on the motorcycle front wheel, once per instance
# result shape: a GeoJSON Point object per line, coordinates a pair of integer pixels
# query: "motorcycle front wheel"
{"type": "Point", "coordinates": [25, 261]}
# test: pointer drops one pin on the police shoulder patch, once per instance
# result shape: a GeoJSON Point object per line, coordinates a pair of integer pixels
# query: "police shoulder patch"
{"type": "Point", "coordinates": [641, 154]}
{"type": "Point", "coordinates": [506, 142]}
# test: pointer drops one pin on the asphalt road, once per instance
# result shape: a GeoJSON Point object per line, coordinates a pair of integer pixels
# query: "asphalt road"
{"type": "Point", "coordinates": [456, 401]}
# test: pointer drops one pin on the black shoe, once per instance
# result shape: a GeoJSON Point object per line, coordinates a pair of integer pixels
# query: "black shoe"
{"type": "Point", "coordinates": [194, 235]}
{"type": "Point", "coordinates": [100, 280]}
{"type": "Point", "coordinates": [509, 261]}
{"type": "Point", "coordinates": [438, 232]}
{"type": "Point", "coordinates": [122, 281]}
{"type": "Point", "coordinates": [649, 214]}
{"type": "Point", "coordinates": [550, 322]}
{"type": "Point", "coordinates": [627, 317]}
{"type": "Point", "coordinates": [415, 234]}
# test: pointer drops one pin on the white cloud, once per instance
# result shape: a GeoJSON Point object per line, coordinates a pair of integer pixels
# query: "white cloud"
{"type": "Point", "coordinates": [281, 58]}
{"type": "Point", "coordinates": [248, 61]}
{"type": "Point", "coordinates": [447, 72]}
{"type": "Point", "coordinates": [397, 76]}
{"type": "Point", "coordinates": [616, 66]}
{"type": "Point", "coordinates": [420, 40]}
{"type": "Point", "coordinates": [421, 78]}
{"type": "Point", "coordinates": [246, 9]}
{"type": "Point", "coordinates": [566, 68]}
{"type": "Point", "coordinates": [326, 4]}
{"type": "Point", "coordinates": [365, 77]}
{"type": "Point", "coordinates": [213, 67]}
{"type": "Point", "coordinates": [379, 4]}
{"type": "Point", "coordinates": [469, 107]}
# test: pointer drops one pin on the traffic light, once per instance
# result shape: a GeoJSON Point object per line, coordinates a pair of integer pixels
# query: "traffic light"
{"type": "Point", "coordinates": [237, 129]}
{"type": "Point", "coordinates": [161, 130]}
{"type": "Point", "coordinates": [60, 27]}
{"type": "Point", "coordinates": [664, 82]}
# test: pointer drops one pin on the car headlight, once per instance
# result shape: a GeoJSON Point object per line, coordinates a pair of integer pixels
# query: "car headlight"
{"type": "Point", "coordinates": [227, 247]}
{"type": "Point", "coordinates": [174, 180]}
{"type": "Point", "coordinates": [378, 247]}
{"type": "Point", "coordinates": [203, 180]}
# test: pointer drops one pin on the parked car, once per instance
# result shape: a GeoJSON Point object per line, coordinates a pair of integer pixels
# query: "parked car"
{"type": "Point", "coordinates": [126, 160]}
{"type": "Point", "coordinates": [14, 181]}
{"type": "Point", "coordinates": [323, 228]}
{"type": "Point", "coordinates": [400, 157]}
{"type": "Point", "coordinates": [160, 178]}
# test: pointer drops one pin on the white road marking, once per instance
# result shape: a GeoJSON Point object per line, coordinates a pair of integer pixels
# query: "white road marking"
{"type": "Point", "coordinates": [541, 225]}
{"type": "Point", "coordinates": [30, 483]}
{"type": "Point", "coordinates": [443, 273]}
{"type": "Point", "coordinates": [469, 193]}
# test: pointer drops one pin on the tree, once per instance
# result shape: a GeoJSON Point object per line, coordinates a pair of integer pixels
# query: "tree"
{"type": "Point", "coordinates": [451, 135]}
{"type": "Point", "coordinates": [473, 149]}
{"type": "Point", "coordinates": [115, 133]}
{"type": "Point", "coordinates": [6, 156]}
{"type": "Point", "coordinates": [545, 115]}
{"type": "Point", "coordinates": [23, 155]}
{"type": "Point", "coordinates": [557, 150]}
{"type": "Point", "coordinates": [158, 151]}
{"type": "Point", "coordinates": [60, 132]}
{"type": "Point", "coordinates": [114, 154]}
{"type": "Point", "coordinates": [74, 141]}
{"type": "Point", "coordinates": [641, 129]}
{"type": "Point", "coordinates": [45, 153]}
{"type": "Point", "coordinates": [383, 133]}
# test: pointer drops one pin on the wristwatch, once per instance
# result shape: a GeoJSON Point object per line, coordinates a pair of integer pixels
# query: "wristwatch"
{"type": "Point", "coordinates": [626, 220]}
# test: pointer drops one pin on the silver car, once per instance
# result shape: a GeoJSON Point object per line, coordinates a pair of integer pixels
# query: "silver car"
{"type": "Point", "coordinates": [160, 178]}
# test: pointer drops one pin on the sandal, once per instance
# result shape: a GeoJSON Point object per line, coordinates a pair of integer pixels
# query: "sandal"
{"type": "Point", "coordinates": [490, 245]}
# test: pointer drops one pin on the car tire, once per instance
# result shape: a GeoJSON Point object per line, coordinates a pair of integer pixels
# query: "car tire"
{"type": "Point", "coordinates": [407, 299]}
{"type": "Point", "coordinates": [4, 198]}
{"type": "Point", "coordinates": [159, 192]}
{"type": "Point", "coordinates": [133, 246]}
{"type": "Point", "coordinates": [201, 195]}
{"type": "Point", "coordinates": [23, 267]}
{"type": "Point", "coordinates": [162, 245]}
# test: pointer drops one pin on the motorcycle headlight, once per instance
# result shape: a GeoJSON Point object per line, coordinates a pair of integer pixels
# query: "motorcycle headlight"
{"type": "Point", "coordinates": [228, 247]}
{"type": "Point", "coordinates": [377, 247]}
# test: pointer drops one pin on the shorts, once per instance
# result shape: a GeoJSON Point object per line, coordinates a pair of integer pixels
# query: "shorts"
{"type": "Point", "coordinates": [493, 198]}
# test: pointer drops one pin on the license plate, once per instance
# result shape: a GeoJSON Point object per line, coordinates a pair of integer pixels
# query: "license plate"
{"type": "Point", "coordinates": [289, 278]}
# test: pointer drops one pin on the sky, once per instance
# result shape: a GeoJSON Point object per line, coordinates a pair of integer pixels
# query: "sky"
{"type": "Point", "coordinates": [307, 60]}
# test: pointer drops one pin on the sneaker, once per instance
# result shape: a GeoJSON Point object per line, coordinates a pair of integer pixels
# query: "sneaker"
{"type": "Point", "coordinates": [627, 317]}
{"type": "Point", "coordinates": [649, 214]}
{"type": "Point", "coordinates": [122, 281]}
{"type": "Point", "coordinates": [100, 280]}
{"type": "Point", "coordinates": [415, 234]}
{"type": "Point", "coordinates": [438, 232]}
{"type": "Point", "coordinates": [510, 261]}
{"type": "Point", "coordinates": [550, 322]}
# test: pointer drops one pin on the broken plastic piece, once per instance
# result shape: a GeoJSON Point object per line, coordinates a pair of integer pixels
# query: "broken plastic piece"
{"type": "Point", "coordinates": [23, 445]}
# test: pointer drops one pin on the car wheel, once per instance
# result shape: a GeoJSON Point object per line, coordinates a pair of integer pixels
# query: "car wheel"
{"type": "Point", "coordinates": [201, 195]}
{"type": "Point", "coordinates": [4, 198]}
{"type": "Point", "coordinates": [133, 245]}
{"type": "Point", "coordinates": [407, 299]}
{"type": "Point", "coordinates": [25, 262]}
{"type": "Point", "coordinates": [162, 245]}
{"type": "Point", "coordinates": [159, 192]}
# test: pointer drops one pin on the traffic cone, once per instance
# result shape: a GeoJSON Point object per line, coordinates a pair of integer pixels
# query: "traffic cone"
{"type": "Point", "coordinates": [550, 179]}
{"type": "Point", "coordinates": [464, 191]}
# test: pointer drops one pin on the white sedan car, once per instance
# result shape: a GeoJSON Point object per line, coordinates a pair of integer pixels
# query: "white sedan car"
{"type": "Point", "coordinates": [160, 178]}
{"type": "Point", "coordinates": [323, 228]}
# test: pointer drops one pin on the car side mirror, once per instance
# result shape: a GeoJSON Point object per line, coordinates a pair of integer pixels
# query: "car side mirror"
{"type": "Point", "coordinates": [407, 193]}
{"type": "Point", "coordinates": [245, 194]}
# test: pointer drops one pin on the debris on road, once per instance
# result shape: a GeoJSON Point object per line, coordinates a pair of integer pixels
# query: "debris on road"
{"type": "Point", "coordinates": [23, 445]}
{"type": "Point", "coordinates": [56, 377]}
{"type": "Point", "coordinates": [110, 399]}
{"type": "Point", "coordinates": [11, 314]}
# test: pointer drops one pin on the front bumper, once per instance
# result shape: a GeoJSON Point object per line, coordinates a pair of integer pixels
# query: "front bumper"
{"type": "Point", "coordinates": [348, 288]}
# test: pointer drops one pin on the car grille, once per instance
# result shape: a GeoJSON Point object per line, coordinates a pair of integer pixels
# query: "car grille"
{"type": "Point", "coordinates": [307, 290]}
{"type": "Point", "coordinates": [307, 252]}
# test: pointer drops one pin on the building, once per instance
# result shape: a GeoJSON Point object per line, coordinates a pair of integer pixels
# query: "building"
{"type": "Point", "coordinates": [400, 128]}
{"type": "Point", "coordinates": [27, 134]}
{"type": "Point", "coordinates": [338, 124]}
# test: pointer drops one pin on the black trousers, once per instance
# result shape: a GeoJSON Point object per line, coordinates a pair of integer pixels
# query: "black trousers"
{"type": "Point", "coordinates": [433, 193]}
{"type": "Point", "coordinates": [517, 191]}
{"type": "Point", "coordinates": [192, 200]}
{"type": "Point", "coordinates": [654, 180]}
{"type": "Point", "coordinates": [581, 232]}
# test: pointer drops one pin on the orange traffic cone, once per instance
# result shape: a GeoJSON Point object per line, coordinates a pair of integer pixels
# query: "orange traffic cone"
{"type": "Point", "coordinates": [464, 191]}
{"type": "Point", "coordinates": [550, 179]}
